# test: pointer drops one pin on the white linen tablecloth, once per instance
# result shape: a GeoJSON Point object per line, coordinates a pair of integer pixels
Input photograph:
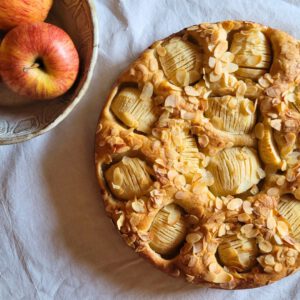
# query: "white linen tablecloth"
{"type": "Point", "coordinates": [55, 239]}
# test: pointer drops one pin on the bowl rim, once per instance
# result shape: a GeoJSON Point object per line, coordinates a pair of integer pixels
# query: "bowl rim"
{"type": "Point", "coordinates": [84, 88]}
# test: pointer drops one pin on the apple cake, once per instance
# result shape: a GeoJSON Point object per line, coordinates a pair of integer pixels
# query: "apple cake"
{"type": "Point", "coordinates": [197, 154]}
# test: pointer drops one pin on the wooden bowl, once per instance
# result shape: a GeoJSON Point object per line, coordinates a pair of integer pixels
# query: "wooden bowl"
{"type": "Point", "coordinates": [20, 123]}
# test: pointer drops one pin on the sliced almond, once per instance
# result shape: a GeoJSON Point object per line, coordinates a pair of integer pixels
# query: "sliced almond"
{"type": "Point", "coordinates": [276, 124]}
{"type": "Point", "coordinates": [120, 221]}
{"type": "Point", "coordinates": [192, 261]}
{"type": "Point", "coordinates": [183, 77]}
{"type": "Point", "coordinates": [227, 57]}
{"type": "Point", "coordinates": [269, 260]}
{"type": "Point", "coordinates": [247, 207]}
{"type": "Point", "coordinates": [291, 261]}
{"type": "Point", "coordinates": [180, 181]}
{"type": "Point", "coordinates": [172, 174]}
{"type": "Point", "coordinates": [268, 269]}
{"type": "Point", "coordinates": [173, 217]}
{"type": "Point", "coordinates": [193, 238]}
{"type": "Point", "coordinates": [271, 222]}
{"type": "Point", "coordinates": [153, 65]}
{"type": "Point", "coordinates": [281, 180]}
{"type": "Point", "coordinates": [203, 140]}
{"type": "Point", "coordinates": [189, 278]}
{"type": "Point", "coordinates": [265, 246]}
{"type": "Point", "coordinates": [171, 101]}
{"type": "Point", "coordinates": [190, 91]}
{"type": "Point", "coordinates": [290, 176]}
{"type": "Point", "coordinates": [214, 77]}
{"type": "Point", "coordinates": [138, 206]}
{"type": "Point", "coordinates": [282, 228]}
{"type": "Point", "coordinates": [241, 89]}
{"type": "Point", "coordinates": [263, 82]}
{"type": "Point", "coordinates": [212, 62]}
{"type": "Point", "coordinates": [254, 60]}
{"type": "Point", "coordinates": [222, 230]}
{"type": "Point", "coordinates": [254, 190]}
{"type": "Point", "coordinates": [278, 267]}
{"type": "Point", "coordinates": [244, 218]}
{"type": "Point", "coordinates": [147, 91]}
{"type": "Point", "coordinates": [218, 68]}
{"type": "Point", "coordinates": [220, 49]}
{"type": "Point", "coordinates": [261, 173]}
{"type": "Point", "coordinates": [235, 204]}
{"type": "Point", "coordinates": [273, 192]}
{"type": "Point", "coordinates": [249, 231]}
{"type": "Point", "coordinates": [197, 247]}
{"type": "Point", "coordinates": [186, 115]}
{"type": "Point", "coordinates": [290, 123]}
{"type": "Point", "coordinates": [277, 239]}
{"type": "Point", "coordinates": [219, 203]}
{"type": "Point", "coordinates": [291, 253]}
{"type": "Point", "coordinates": [232, 104]}
{"type": "Point", "coordinates": [231, 67]}
{"type": "Point", "coordinates": [161, 51]}
{"type": "Point", "coordinates": [192, 219]}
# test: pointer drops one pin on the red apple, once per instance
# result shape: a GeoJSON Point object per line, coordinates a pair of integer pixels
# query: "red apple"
{"type": "Point", "coordinates": [38, 60]}
{"type": "Point", "coordinates": [16, 12]}
{"type": "Point", "coordinates": [1, 38]}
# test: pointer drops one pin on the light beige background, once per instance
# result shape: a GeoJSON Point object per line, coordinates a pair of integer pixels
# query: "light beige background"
{"type": "Point", "coordinates": [55, 240]}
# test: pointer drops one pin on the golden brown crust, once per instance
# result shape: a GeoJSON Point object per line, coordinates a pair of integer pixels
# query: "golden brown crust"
{"type": "Point", "coordinates": [213, 108]}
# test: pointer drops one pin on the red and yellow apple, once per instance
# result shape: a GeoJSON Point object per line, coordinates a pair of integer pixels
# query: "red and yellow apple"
{"type": "Point", "coordinates": [17, 12]}
{"type": "Point", "coordinates": [38, 60]}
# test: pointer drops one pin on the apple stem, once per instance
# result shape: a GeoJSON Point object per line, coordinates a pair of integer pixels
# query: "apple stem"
{"type": "Point", "coordinates": [34, 66]}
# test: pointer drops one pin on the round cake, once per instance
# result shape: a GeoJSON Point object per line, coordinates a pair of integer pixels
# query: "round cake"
{"type": "Point", "coordinates": [197, 154]}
